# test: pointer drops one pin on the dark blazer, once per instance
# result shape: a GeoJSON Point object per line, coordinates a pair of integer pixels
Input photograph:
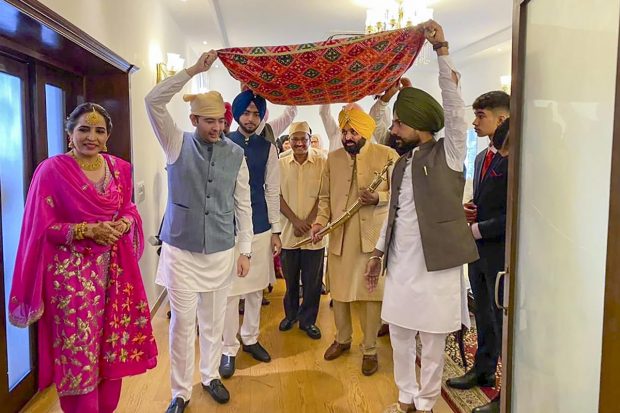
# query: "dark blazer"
{"type": "Point", "coordinates": [490, 195]}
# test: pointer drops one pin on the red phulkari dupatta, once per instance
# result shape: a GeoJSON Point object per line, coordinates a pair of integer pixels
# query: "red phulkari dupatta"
{"type": "Point", "coordinates": [340, 70]}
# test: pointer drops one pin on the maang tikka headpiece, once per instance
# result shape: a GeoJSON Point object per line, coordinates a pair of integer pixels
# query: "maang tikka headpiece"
{"type": "Point", "coordinates": [93, 117]}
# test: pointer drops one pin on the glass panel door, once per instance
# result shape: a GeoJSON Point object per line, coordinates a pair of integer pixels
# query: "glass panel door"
{"type": "Point", "coordinates": [16, 356]}
{"type": "Point", "coordinates": [569, 83]}
{"type": "Point", "coordinates": [55, 115]}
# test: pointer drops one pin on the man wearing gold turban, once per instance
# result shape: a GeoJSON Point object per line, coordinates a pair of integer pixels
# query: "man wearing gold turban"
{"type": "Point", "coordinates": [426, 239]}
{"type": "Point", "coordinates": [208, 193]}
{"type": "Point", "coordinates": [346, 177]}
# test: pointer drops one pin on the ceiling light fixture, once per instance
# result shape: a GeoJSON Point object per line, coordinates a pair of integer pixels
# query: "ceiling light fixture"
{"type": "Point", "coordinates": [397, 14]}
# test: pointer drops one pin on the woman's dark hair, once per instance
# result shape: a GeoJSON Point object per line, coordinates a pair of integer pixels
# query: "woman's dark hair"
{"type": "Point", "coordinates": [72, 119]}
{"type": "Point", "coordinates": [280, 141]}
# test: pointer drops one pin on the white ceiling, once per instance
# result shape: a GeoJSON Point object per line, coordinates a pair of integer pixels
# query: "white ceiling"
{"type": "Point", "coordinates": [471, 25]}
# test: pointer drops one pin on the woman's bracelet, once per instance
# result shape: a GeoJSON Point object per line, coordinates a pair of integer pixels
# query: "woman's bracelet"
{"type": "Point", "coordinates": [127, 222]}
{"type": "Point", "coordinates": [79, 231]}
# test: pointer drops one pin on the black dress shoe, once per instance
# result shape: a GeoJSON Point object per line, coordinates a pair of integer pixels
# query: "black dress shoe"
{"type": "Point", "coordinates": [258, 352]}
{"type": "Point", "coordinates": [177, 405]}
{"type": "Point", "coordinates": [491, 407]}
{"type": "Point", "coordinates": [286, 324]}
{"type": "Point", "coordinates": [312, 331]}
{"type": "Point", "coordinates": [217, 390]}
{"type": "Point", "coordinates": [470, 380]}
{"type": "Point", "coordinates": [227, 366]}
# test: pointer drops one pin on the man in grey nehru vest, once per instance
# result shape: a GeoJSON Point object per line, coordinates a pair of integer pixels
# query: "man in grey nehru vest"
{"type": "Point", "coordinates": [426, 239]}
{"type": "Point", "coordinates": [208, 191]}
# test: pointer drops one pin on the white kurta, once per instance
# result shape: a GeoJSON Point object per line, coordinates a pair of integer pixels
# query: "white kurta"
{"type": "Point", "coordinates": [192, 271]}
{"type": "Point", "coordinates": [414, 298]}
{"type": "Point", "coordinates": [261, 267]}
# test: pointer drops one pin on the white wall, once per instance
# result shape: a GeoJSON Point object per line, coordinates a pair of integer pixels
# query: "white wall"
{"type": "Point", "coordinates": [141, 32]}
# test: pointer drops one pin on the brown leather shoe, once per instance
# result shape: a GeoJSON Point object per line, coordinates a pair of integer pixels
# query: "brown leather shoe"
{"type": "Point", "coordinates": [370, 365]}
{"type": "Point", "coordinates": [335, 350]}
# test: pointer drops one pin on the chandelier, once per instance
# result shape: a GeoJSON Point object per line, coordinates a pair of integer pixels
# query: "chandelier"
{"type": "Point", "coordinates": [397, 14]}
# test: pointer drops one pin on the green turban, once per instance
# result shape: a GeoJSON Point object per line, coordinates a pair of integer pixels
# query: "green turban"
{"type": "Point", "coordinates": [419, 110]}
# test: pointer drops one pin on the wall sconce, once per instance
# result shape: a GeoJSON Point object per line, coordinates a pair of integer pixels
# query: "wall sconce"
{"type": "Point", "coordinates": [505, 81]}
{"type": "Point", "coordinates": [171, 67]}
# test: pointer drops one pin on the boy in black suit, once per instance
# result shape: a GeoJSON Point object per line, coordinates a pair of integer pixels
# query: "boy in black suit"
{"type": "Point", "coordinates": [486, 214]}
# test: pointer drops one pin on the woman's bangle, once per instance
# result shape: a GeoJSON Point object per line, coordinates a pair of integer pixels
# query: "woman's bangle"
{"type": "Point", "coordinates": [79, 231]}
{"type": "Point", "coordinates": [127, 223]}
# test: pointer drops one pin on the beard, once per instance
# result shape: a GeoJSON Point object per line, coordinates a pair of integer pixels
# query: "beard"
{"type": "Point", "coordinates": [403, 146]}
{"type": "Point", "coordinates": [249, 131]}
{"type": "Point", "coordinates": [354, 149]}
{"type": "Point", "coordinates": [392, 143]}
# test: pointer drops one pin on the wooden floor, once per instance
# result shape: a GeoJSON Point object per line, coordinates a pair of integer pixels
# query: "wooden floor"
{"type": "Point", "coordinates": [297, 379]}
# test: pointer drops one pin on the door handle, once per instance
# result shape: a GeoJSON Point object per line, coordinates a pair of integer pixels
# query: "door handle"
{"type": "Point", "coordinates": [500, 276]}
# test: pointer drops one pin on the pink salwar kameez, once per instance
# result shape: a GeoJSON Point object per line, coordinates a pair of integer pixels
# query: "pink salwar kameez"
{"type": "Point", "coordinates": [94, 319]}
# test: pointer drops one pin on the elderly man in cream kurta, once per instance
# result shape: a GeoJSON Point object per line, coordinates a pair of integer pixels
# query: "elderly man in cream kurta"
{"type": "Point", "coordinates": [346, 177]}
{"type": "Point", "coordinates": [300, 182]}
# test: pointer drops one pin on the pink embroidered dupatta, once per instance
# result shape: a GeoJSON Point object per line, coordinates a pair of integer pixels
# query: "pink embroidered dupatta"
{"type": "Point", "coordinates": [94, 316]}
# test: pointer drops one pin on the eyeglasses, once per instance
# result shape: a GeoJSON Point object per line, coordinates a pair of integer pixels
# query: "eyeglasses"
{"type": "Point", "coordinates": [300, 140]}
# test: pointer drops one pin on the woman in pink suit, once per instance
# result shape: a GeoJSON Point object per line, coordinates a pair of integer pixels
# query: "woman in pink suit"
{"type": "Point", "coordinates": [77, 273]}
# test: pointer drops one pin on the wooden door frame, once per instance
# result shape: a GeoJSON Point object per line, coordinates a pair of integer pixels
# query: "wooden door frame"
{"type": "Point", "coordinates": [72, 86]}
{"type": "Point", "coordinates": [104, 77]}
{"type": "Point", "coordinates": [519, 19]}
{"type": "Point", "coordinates": [22, 392]}
{"type": "Point", "coordinates": [610, 357]}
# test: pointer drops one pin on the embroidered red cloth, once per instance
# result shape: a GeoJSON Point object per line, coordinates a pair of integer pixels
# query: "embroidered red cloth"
{"type": "Point", "coordinates": [339, 70]}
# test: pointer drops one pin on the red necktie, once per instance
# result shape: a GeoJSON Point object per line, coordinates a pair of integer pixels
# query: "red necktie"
{"type": "Point", "coordinates": [487, 162]}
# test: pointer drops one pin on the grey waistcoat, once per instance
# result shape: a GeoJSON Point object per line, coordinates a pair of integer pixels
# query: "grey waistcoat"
{"type": "Point", "coordinates": [447, 241]}
{"type": "Point", "coordinates": [200, 214]}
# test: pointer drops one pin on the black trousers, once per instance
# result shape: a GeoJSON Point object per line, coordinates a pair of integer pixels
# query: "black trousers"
{"type": "Point", "coordinates": [305, 265]}
{"type": "Point", "coordinates": [489, 318]}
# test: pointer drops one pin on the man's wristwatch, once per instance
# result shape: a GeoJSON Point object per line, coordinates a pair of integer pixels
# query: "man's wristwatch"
{"type": "Point", "coordinates": [248, 255]}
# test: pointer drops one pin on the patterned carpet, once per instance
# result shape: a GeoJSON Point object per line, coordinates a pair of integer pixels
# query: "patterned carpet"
{"type": "Point", "coordinates": [463, 401]}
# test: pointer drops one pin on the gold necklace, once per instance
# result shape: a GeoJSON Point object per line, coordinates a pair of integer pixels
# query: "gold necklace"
{"type": "Point", "coordinates": [89, 166]}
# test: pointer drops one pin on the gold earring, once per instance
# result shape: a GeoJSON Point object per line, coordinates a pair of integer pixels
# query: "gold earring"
{"type": "Point", "coordinates": [70, 145]}
{"type": "Point", "coordinates": [105, 147]}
